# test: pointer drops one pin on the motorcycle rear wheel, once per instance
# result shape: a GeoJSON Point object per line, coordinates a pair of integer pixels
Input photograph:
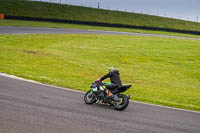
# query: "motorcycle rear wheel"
{"type": "Point", "coordinates": [90, 98]}
{"type": "Point", "coordinates": [124, 101]}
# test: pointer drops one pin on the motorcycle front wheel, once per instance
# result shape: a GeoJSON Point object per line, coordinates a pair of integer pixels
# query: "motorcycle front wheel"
{"type": "Point", "coordinates": [124, 101]}
{"type": "Point", "coordinates": [90, 97]}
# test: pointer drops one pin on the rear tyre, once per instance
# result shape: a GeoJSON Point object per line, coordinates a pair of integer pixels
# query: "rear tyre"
{"type": "Point", "coordinates": [124, 101]}
{"type": "Point", "coordinates": [90, 97]}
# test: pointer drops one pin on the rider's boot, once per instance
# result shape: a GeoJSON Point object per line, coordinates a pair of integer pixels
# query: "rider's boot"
{"type": "Point", "coordinates": [115, 98]}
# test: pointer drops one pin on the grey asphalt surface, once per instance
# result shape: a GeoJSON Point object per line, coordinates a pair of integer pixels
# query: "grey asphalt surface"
{"type": "Point", "coordinates": [41, 30]}
{"type": "Point", "coordinates": [33, 108]}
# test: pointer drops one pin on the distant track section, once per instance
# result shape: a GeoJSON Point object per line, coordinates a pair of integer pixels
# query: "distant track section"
{"type": "Point", "coordinates": [101, 24]}
{"type": "Point", "coordinates": [41, 30]}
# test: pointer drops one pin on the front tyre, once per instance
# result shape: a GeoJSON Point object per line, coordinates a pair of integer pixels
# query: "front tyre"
{"type": "Point", "coordinates": [124, 101]}
{"type": "Point", "coordinates": [90, 97]}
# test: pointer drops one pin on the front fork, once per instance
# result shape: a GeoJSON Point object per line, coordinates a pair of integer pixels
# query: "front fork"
{"type": "Point", "coordinates": [91, 91]}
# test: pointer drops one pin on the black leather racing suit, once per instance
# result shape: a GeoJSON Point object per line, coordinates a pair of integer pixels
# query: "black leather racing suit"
{"type": "Point", "coordinates": [114, 78]}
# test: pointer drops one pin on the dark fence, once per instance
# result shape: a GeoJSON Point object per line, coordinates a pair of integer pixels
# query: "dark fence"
{"type": "Point", "coordinates": [102, 24]}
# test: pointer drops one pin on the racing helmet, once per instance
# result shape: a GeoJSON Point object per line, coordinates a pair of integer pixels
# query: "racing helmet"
{"type": "Point", "coordinates": [111, 69]}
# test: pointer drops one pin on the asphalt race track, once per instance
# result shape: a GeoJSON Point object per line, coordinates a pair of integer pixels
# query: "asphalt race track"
{"type": "Point", "coordinates": [27, 107]}
{"type": "Point", "coordinates": [41, 30]}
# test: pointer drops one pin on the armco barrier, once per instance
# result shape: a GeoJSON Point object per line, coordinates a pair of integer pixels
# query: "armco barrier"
{"type": "Point", "coordinates": [102, 24]}
{"type": "Point", "coordinates": [2, 16]}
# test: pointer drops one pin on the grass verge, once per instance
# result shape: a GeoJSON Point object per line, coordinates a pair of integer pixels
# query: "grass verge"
{"type": "Point", "coordinates": [163, 71]}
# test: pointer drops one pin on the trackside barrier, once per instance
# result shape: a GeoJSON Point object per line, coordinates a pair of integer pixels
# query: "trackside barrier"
{"type": "Point", "coordinates": [2, 16]}
{"type": "Point", "coordinates": [101, 24]}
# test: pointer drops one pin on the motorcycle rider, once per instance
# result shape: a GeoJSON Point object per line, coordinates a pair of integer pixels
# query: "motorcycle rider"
{"type": "Point", "coordinates": [115, 81]}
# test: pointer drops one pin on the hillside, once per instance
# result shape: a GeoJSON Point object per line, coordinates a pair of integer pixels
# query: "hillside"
{"type": "Point", "coordinates": [77, 13]}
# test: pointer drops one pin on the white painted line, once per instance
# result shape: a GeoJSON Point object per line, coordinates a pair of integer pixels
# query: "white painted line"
{"type": "Point", "coordinates": [32, 81]}
{"type": "Point", "coordinates": [35, 82]}
{"type": "Point", "coordinates": [165, 107]}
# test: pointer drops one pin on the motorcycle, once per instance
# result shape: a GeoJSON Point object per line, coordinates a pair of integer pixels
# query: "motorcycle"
{"type": "Point", "coordinates": [99, 93]}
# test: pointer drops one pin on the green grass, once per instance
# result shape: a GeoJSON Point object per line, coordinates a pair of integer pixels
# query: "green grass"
{"type": "Point", "coordinates": [166, 71]}
{"type": "Point", "coordinates": [50, 10]}
{"type": "Point", "coordinates": [6, 22]}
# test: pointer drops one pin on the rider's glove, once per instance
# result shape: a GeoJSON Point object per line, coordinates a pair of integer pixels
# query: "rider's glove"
{"type": "Point", "coordinates": [99, 81]}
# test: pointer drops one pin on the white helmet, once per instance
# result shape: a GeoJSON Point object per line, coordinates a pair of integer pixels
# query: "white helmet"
{"type": "Point", "coordinates": [111, 69]}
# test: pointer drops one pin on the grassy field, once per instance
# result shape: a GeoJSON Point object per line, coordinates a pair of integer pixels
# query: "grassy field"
{"type": "Point", "coordinates": [163, 71]}
{"type": "Point", "coordinates": [6, 22]}
{"type": "Point", "coordinates": [57, 11]}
